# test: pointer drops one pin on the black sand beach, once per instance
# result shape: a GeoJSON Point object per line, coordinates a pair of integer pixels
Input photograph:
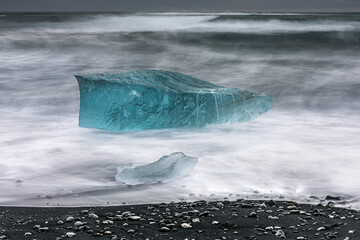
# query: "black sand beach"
{"type": "Point", "coordinates": [241, 219]}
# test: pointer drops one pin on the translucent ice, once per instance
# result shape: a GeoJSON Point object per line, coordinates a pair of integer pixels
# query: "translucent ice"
{"type": "Point", "coordinates": [167, 168]}
{"type": "Point", "coordinates": [151, 99]}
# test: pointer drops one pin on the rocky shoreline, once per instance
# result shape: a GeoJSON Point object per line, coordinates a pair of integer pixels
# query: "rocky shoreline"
{"type": "Point", "coordinates": [240, 219]}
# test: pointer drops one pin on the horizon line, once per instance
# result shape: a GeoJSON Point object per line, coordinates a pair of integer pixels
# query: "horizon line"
{"type": "Point", "coordinates": [187, 11]}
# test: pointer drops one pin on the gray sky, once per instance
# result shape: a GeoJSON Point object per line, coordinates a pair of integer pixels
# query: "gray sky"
{"type": "Point", "coordinates": [180, 5]}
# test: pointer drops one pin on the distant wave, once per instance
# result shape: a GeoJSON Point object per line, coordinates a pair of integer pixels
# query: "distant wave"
{"type": "Point", "coordinates": [241, 23]}
{"type": "Point", "coordinates": [289, 17]}
{"type": "Point", "coordinates": [263, 41]}
{"type": "Point", "coordinates": [222, 13]}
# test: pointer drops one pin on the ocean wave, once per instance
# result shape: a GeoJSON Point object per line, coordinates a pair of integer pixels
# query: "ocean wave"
{"type": "Point", "coordinates": [304, 17]}
{"type": "Point", "coordinates": [152, 42]}
{"type": "Point", "coordinates": [253, 23]}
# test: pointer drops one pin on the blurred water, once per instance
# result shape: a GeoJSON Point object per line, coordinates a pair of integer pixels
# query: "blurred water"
{"type": "Point", "coordinates": [308, 144]}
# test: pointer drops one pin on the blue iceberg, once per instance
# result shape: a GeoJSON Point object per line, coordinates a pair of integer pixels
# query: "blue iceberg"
{"type": "Point", "coordinates": [167, 168]}
{"type": "Point", "coordinates": [155, 99]}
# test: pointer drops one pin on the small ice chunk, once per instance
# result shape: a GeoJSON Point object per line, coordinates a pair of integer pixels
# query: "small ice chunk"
{"type": "Point", "coordinates": [167, 168]}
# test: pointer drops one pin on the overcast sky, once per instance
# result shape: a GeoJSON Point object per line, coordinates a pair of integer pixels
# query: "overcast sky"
{"type": "Point", "coordinates": [180, 5]}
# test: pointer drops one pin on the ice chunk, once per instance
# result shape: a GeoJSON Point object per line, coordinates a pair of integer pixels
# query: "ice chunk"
{"type": "Point", "coordinates": [151, 99]}
{"type": "Point", "coordinates": [167, 168]}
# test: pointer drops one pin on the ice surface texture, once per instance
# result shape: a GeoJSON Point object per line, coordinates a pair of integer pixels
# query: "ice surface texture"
{"type": "Point", "coordinates": [167, 168]}
{"type": "Point", "coordinates": [153, 99]}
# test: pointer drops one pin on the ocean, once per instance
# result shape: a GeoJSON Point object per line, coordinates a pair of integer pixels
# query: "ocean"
{"type": "Point", "coordinates": [306, 145]}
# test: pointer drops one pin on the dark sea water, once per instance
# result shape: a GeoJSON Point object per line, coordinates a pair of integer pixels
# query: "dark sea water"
{"type": "Point", "coordinates": [308, 144]}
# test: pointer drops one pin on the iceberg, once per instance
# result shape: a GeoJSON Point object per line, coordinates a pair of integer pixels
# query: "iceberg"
{"type": "Point", "coordinates": [167, 168]}
{"type": "Point", "coordinates": [155, 99]}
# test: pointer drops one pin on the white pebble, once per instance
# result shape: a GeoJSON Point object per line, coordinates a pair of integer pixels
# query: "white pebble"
{"type": "Point", "coordinates": [196, 220]}
{"type": "Point", "coordinates": [78, 223]}
{"type": "Point", "coordinates": [186, 225]}
{"type": "Point", "coordinates": [107, 222]}
{"type": "Point", "coordinates": [93, 215]}
{"type": "Point", "coordinates": [134, 218]}
{"type": "Point", "coordinates": [70, 234]}
{"type": "Point", "coordinates": [279, 233]}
